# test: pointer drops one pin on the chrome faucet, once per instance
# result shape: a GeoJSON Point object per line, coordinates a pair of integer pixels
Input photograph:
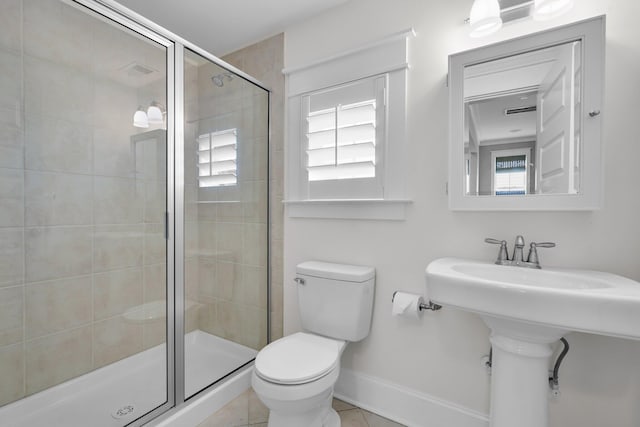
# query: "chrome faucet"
{"type": "Point", "coordinates": [517, 259]}
{"type": "Point", "coordinates": [518, 256]}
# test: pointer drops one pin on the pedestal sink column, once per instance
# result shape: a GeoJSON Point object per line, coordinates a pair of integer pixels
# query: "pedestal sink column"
{"type": "Point", "coordinates": [519, 382]}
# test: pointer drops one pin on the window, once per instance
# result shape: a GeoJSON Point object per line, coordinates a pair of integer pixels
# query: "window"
{"type": "Point", "coordinates": [510, 172]}
{"type": "Point", "coordinates": [217, 157]}
{"type": "Point", "coordinates": [343, 132]}
{"type": "Point", "coordinates": [346, 128]}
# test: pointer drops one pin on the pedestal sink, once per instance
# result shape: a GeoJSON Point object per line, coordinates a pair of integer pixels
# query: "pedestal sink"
{"type": "Point", "coordinates": [527, 311]}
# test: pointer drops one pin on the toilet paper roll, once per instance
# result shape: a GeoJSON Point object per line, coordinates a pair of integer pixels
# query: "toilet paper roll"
{"type": "Point", "coordinates": [406, 304]}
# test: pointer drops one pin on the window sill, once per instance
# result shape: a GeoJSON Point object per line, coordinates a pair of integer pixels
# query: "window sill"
{"type": "Point", "coordinates": [393, 210]}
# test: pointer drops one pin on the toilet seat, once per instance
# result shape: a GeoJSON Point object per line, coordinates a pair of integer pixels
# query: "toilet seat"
{"type": "Point", "coordinates": [298, 359]}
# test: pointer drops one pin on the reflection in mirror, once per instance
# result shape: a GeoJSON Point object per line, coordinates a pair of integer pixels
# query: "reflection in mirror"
{"type": "Point", "coordinates": [522, 123]}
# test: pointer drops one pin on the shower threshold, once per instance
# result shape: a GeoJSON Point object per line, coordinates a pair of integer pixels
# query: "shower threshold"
{"type": "Point", "coordinates": [119, 393]}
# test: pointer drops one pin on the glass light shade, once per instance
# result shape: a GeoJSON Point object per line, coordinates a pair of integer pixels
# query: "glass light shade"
{"type": "Point", "coordinates": [484, 18]}
{"type": "Point", "coordinates": [549, 9]}
{"type": "Point", "coordinates": [154, 115]}
{"type": "Point", "coordinates": [140, 119]}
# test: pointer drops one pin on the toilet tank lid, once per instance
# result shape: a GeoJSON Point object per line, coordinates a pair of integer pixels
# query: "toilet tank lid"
{"type": "Point", "coordinates": [328, 270]}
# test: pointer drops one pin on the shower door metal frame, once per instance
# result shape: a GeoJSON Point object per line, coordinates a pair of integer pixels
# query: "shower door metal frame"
{"type": "Point", "coordinates": [114, 15]}
{"type": "Point", "coordinates": [175, 45]}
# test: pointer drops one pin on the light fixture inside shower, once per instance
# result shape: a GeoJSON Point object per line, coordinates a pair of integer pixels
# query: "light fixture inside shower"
{"type": "Point", "coordinates": [153, 116]}
{"type": "Point", "coordinates": [218, 80]}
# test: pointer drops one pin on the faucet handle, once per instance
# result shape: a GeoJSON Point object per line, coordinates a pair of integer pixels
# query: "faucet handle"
{"type": "Point", "coordinates": [533, 252]}
{"type": "Point", "coordinates": [495, 241]}
{"type": "Point", "coordinates": [503, 256]}
{"type": "Point", "coordinates": [544, 244]}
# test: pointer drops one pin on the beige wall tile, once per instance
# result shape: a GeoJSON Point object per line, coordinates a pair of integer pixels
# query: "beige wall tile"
{"type": "Point", "coordinates": [57, 305]}
{"type": "Point", "coordinates": [229, 238]}
{"type": "Point", "coordinates": [57, 32]}
{"type": "Point", "coordinates": [230, 321]}
{"type": "Point", "coordinates": [254, 327]}
{"type": "Point", "coordinates": [58, 91]}
{"type": "Point", "coordinates": [112, 149]}
{"type": "Point", "coordinates": [11, 256]}
{"type": "Point", "coordinates": [115, 339]}
{"type": "Point", "coordinates": [155, 282]}
{"type": "Point", "coordinates": [10, 77]}
{"type": "Point", "coordinates": [254, 245]}
{"type": "Point", "coordinates": [192, 238]}
{"type": "Point", "coordinates": [254, 286]}
{"type": "Point", "coordinates": [53, 253]}
{"type": "Point", "coordinates": [11, 314]}
{"type": "Point", "coordinates": [207, 238]}
{"type": "Point", "coordinates": [155, 245]}
{"type": "Point", "coordinates": [11, 24]}
{"type": "Point", "coordinates": [208, 318]}
{"type": "Point", "coordinates": [11, 198]}
{"type": "Point", "coordinates": [11, 139]}
{"type": "Point", "coordinates": [53, 144]}
{"type": "Point", "coordinates": [217, 279]}
{"type": "Point", "coordinates": [155, 201]}
{"type": "Point", "coordinates": [116, 291]}
{"type": "Point", "coordinates": [254, 201]}
{"type": "Point", "coordinates": [53, 359]}
{"type": "Point", "coordinates": [191, 278]}
{"type": "Point", "coordinates": [12, 373]}
{"type": "Point", "coordinates": [117, 200]}
{"type": "Point", "coordinates": [117, 247]}
{"type": "Point", "coordinates": [154, 158]}
{"type": "Point", "coordinates": [153, 334]}
{"type": "Point", "coordinates": [58, 199]}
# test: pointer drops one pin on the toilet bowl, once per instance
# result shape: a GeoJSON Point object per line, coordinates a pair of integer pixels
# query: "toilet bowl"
{"type": "Point", "coordinates": [295, 375]}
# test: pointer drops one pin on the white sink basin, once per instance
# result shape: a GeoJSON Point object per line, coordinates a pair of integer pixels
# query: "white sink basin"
{"type": "Point", "coordinates": [571, 300]}
{"type": "Point", "coordinates": [528, 310]}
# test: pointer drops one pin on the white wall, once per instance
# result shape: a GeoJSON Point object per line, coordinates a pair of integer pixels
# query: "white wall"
{"type": "Point", "coordinates": [440, 355]}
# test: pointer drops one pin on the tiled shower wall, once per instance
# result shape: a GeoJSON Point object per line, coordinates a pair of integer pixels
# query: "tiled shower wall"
{"type": "Point", "coordinates": [265, 62]}
{"type": "Point", "coordinates": [226, 227]}
{"type": "Point", "coordinates": [80, 204]}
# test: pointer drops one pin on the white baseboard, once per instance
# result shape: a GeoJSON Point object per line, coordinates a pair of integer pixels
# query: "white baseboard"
{"type": "Point", "coordinates": [404, 405]}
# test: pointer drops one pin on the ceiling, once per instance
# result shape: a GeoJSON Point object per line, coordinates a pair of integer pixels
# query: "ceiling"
{"type": "Point", "coordinates": [493, 126]}
{"type": "Point", "coordinates": [222, 27]}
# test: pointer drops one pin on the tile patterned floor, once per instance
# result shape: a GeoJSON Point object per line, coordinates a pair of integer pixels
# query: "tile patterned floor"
{"type": "Point", "coordinates": [247, 411]}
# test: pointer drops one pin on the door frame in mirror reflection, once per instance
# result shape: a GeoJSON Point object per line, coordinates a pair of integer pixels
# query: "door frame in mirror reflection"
{"type": "Point", "coordinates": [591, 34]}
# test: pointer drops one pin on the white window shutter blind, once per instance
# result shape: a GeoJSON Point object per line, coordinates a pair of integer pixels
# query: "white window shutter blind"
{"type": "Point", "coordinates": [344, 134]}
{"type": "Point", "coordinates": [217, 155]}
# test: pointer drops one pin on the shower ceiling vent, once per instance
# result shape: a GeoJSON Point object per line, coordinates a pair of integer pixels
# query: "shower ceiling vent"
{"type": "Point", "coordinates": [138, 70]}
{"type": "Point", "coordinates": [519, 110]}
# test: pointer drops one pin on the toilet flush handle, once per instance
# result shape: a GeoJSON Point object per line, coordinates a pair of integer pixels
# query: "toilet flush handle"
{"type": "Point", "coordinates": [299, 281]}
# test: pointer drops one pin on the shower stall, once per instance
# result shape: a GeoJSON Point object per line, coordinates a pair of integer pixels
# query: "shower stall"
{"type": "Point", "coordinates": [133, 217]}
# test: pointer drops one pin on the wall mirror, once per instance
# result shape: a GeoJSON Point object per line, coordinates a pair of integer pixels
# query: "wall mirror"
{"type": "Point", "coordinates": [525, 122]}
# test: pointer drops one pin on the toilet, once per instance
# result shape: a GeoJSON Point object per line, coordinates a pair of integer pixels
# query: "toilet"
{"type": "Point", "coordinates": [295, 375]}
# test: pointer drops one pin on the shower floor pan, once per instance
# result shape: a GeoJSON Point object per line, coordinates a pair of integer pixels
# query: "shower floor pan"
{"type": "Point", "coordinates": [121, 392]}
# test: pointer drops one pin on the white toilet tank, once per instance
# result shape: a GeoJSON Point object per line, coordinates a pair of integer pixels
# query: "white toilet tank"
{"type": "Point", "coordinates": [336, 300]}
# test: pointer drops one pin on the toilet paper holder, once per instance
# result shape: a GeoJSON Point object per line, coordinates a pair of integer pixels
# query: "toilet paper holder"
{"type": "Point", "coordinates": [423, 306]}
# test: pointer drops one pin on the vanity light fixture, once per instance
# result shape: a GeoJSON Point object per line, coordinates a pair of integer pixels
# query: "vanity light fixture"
{"type": "Point", "coordinates": [484, 18]}
{"type": "Point", "coordinates": [153, 116]}
{"type": "Point", "coordinates": [487, 16]}
{"type": "Point", "coordinates": [140, 119]}
{"type": "Point", "coordinates": [544, 10]}
{"type": "Point", "coordinates": [154, 113]}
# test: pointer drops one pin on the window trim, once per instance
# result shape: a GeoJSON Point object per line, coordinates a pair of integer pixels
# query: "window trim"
{"type": "Point", "coordinates": [388, 57]}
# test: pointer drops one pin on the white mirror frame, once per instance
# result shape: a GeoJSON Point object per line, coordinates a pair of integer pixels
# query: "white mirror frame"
{"type": "Point", "coordinates": [592, 34]}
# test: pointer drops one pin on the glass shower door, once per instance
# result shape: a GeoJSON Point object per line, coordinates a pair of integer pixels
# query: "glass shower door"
{"type": "Point", "coordinates": [225, 221]}
{"type": "Point", "coordinates": [83, 254]}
